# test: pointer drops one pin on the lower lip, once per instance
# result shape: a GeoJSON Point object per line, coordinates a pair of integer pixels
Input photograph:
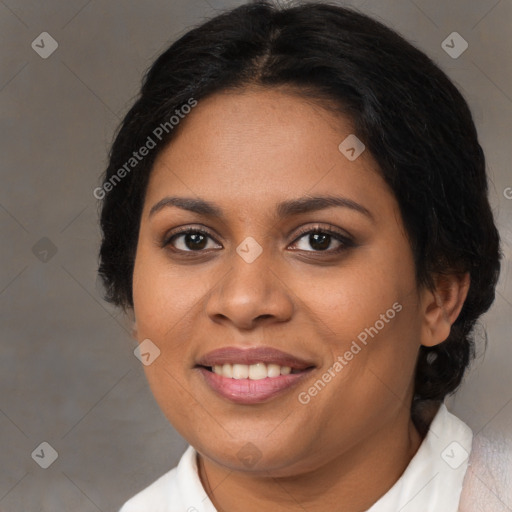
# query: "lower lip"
{"type": "Point", "coordinates": [247, 391]}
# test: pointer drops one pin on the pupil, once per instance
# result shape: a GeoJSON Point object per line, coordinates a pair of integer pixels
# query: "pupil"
{"type": "Point", "coordinates": [198, 241]}
{"type": "Point", "coordinates": [314, 241]}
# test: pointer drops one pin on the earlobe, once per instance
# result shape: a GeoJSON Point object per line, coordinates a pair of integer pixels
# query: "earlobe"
{"type": "Point", "coordinates": [443, 306]}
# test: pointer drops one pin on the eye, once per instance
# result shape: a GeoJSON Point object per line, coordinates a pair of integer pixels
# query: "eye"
{"type": "Point", "coordinates": [321, 239]}
{"type": "Point", "coordinates": [190, 240]}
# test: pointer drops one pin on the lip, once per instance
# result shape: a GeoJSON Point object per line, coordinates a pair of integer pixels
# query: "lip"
{"type": "Point", "coordinates": [247, 391]}
{"type": "Point", "coordinates": [233, 355]}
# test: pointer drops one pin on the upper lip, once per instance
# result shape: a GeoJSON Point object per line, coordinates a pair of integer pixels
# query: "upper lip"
{"type": "Point", "coordinates": [253, 355]}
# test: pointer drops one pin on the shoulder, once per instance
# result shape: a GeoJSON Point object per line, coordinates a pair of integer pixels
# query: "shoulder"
{"type": "Point", "coordinates": [488, 481]}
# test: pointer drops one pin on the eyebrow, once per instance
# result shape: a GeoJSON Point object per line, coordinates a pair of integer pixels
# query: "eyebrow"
{"type": "Point", "coordinates": [285, 209]}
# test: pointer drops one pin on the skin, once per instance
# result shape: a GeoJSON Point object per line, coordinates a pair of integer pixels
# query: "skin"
{"type": "Point", "coordinates": [247, 151]}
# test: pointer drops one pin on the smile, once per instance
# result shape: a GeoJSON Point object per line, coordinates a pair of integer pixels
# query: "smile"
{"type": "Point", "coordinates": [252, 375]}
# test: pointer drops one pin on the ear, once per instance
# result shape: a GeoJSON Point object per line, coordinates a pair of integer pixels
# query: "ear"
{"type": "Point", "coordinates": [442, 306]}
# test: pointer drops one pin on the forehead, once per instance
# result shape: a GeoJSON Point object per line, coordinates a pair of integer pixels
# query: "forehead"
{"type": "Point", "coordinates": [262, 145]}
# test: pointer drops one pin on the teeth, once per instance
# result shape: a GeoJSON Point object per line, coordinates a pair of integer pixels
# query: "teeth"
{"type": "Point", "coordinates": [256, 371]}
{"type": "Point", "coordinates": [240, 371]}
{"type": "Point", "coordinates": [273, 370]}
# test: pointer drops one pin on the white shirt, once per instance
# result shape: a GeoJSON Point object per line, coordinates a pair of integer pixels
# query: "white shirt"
{"type": "Point", "coordinates": [432, 482]}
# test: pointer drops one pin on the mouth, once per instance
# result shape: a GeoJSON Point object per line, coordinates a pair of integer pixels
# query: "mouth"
{"type": "Point", "coordinates": [253, 375]}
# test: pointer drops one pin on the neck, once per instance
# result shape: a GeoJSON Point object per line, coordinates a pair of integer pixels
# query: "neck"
{"type": "Point", "coordinates": [352, 481]}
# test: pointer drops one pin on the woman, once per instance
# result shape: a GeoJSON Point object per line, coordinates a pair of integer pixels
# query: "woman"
{"type": "Point", "coordinates": [295, 210]}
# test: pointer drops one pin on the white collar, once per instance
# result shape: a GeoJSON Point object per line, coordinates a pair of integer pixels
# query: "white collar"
{"type": "Point", "coordinates": [431, 482]}
{"type": "Point", "coordinates": [433, 479]}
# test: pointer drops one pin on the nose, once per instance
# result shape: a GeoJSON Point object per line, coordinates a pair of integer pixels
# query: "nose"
{"type": "Point", "coordinates": [251, 294]}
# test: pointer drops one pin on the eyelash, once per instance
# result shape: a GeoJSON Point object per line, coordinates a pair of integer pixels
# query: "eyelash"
{"type": "Point", "coordinates": [345, 241]}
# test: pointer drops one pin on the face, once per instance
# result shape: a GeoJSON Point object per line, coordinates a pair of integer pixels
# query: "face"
{"type": "Point", "coordinates": [329, 284]}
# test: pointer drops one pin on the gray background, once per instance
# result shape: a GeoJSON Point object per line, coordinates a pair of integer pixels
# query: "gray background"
{"type": "Point", "coordinates": [68, 375]}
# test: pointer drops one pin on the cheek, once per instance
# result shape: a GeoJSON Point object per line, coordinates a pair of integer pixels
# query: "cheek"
{"type": "Point", "coordinates": [352, 299]}
{"type": "Point", "coordinates": [389, 343]}
{"type": "Point", "coordinates": [164, 307]}
{"type": "Point", "coordinates": [374, 321]}
{"type": "Point", "coordinates": [164, 297]}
